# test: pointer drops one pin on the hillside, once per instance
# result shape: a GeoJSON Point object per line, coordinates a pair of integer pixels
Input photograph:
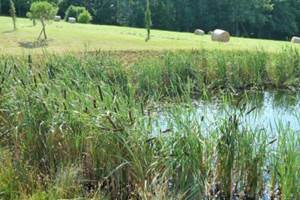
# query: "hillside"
{"type": "Point", "coordinates": [78, 37]}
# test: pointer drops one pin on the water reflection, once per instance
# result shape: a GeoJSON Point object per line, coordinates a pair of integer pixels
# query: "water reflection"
{"type": "Point", "coordinates": [272, 109]}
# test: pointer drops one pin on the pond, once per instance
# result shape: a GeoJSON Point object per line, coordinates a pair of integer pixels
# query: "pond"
{"type": "Point", "coordinates": [269, 111]}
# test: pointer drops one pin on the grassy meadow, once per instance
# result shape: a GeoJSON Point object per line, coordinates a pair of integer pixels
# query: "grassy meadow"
{"type": "Point", "coordinates": [84, 127]}
{"type": "Point", "coordinates": [65, 37]}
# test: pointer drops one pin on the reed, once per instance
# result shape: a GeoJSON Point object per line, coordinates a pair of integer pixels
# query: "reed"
{"type": "Point", "coordinates": [89, 127]}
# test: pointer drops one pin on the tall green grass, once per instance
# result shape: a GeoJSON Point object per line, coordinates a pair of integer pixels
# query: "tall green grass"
{"type": "Point", "coordinates": [85, 127]}
{"type": "Point", "coordinates": [201, 72]}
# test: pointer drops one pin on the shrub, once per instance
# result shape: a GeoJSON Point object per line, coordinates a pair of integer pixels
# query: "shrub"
{"type": "Point", "coordinates": [74, 11]}
{"type": "Point", "coordinates": [85, 17]}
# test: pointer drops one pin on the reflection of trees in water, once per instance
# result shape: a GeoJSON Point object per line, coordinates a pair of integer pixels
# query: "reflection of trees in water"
{"type": "Point", "coordinates": [255, 99]}
{"type": "Point", "coordinates": [262, 101]}
{"type": "Point", "coordinates": [279, 99]}
{"type": "Point", "coordinates": [250, 99]}
{"type": "Point", "coordinates": [285, 100]}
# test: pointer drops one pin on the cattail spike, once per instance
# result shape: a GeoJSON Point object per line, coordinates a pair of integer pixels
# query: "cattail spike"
{"type": "Point", "coordinates": [95, 103]}
{"type": "Point", "coordinates": [30, 62]}
{"type": "Point", "coordinates": [40, 77]}
{"type": "Point", "coordinates": [35, 81]}
{"type": "Point", "coordinates": [65, 94]}
{"type": "Point", "coordinates": [100, 92]}
{"type": "Point", "coordinates": [142, 108]}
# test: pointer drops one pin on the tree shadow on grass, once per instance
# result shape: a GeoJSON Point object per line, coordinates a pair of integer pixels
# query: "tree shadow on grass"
{"type": "Point", "coordinates": [34, 44]}
{"type": "Point", "coordinates": [11, 31]}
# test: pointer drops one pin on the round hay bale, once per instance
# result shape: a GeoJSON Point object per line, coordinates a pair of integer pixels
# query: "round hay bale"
{"type": "Point", "coordinates": [57, 18]}
{"type": "Point", "coordinates": [72, 20]}
{"type": "Point", "coordinates": [199, 32]}
{"type": "Point", "coordinates": [295, 39]}
{"type": "Point", "coordinates": [220, 36]}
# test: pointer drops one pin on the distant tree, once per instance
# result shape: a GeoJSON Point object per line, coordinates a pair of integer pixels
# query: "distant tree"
{"type": "Point", "coordinates": [12, 12]}
{"type": "Point", "coordinates": [276, 19]}
{"type": "Point", "coordinates": [74, 11]}
{"type": "Point", "coordinates": [29, 15]}
{"type": "Point", "coordinates": [148, 20]}
{"type": "Point", "coordinates": [43, 11]}
{"type": "Point", "coordinates": [0, 7]}
{"type": "Point", "coordinates": [85, 17]}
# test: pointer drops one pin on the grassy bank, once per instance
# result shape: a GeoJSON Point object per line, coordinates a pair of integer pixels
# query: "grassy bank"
{"type": "Point", "coordinates": [76, 37]}
{"type": "Point", "coordinates": [82, 127]}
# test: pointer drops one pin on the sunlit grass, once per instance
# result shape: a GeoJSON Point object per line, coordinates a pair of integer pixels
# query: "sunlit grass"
{"type": "Point", "coordinates": [78, 37]}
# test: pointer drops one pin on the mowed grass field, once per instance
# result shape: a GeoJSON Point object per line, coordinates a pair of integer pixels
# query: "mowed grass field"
{"type": "Point", "coordinates": [65, 37]}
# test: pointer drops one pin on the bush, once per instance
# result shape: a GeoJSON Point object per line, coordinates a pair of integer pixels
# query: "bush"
{"type": "Point", "coordinates": [84, 17]}
{"type": "Point", "coordinates": [74, 11]}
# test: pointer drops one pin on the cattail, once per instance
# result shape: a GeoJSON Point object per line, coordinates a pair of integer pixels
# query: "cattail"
{"type": "Point", "coordinates": [51, 74]}
{"type": "Point", "coordinates": [16, 68]}
{"type": "Point", "coordinates": [117, 106]}
{"type": "Point", "coordinates": [23, 83]}
{"type": "Point", "coordinates": [250, 111]}
{"type": "Point", "coordinates": [111, 121]}
{"type": "Point", "coordinates": [65, 106]}
{"type": "Point", "coordinates": [35, 82]}
{"type": "Point", "coordinates": [65, 94]}
{"type": "Point", "coordinates": [40, 77]}
{"type": "Point", "coordinates": [142, 108]}
{"type": "Point", "coordinates": [130, 116]}
{"type": "Point", "coordinates": [3, 79]}
{"type": "Point", "coordinates": [5, 65]}
{"type": "Point", "coordinates": [30, 62]}
{"type": "Point", "coordinates": [100, 92]}
{"type": "Point", "coordinates": [115, 109]}
{"type": "Point", "coordinates": [9, 71]}
{"type": "Point", "coordinates": [95, 103]}
{"type": "Point", "coordinates": [46, 90]}
{"type": "Point", "coordinates": [149, 117]}
{"type": "Point", "coordinates": [202, 118]}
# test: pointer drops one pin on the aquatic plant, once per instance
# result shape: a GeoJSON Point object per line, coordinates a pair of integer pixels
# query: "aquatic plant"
{"type": "Point", "coordinates": [86, 126]}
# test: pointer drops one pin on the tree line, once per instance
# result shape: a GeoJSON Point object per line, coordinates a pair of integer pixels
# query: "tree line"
{"type": "Point", "coordinates": [276, 19]}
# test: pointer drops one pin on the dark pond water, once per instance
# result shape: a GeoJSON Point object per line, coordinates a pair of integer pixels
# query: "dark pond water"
{"type": "Point", "coordinates": [271, 111]}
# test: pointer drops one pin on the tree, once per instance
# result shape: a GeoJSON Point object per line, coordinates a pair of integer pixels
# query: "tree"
{"type": "Point", "coordinates": [29, 15]}
{"type": "Point", "coordinates": [12, 12]}
{"type": "Point", "coordinates": [85, 17]}
{"type": "Point", "coordinates": [0, 7]}
{"type": "Point", "coordinates": [148, 20]}
{"type": "Point", "coordinates": [43, 11]}
{"type": "Point", "coordinates": [276, 19]}
{"type": "Point", "coordinates": [74, 11]}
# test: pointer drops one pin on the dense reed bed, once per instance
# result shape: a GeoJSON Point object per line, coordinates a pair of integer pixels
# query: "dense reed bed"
{"type": "Point", "coordinates": [83, 127]}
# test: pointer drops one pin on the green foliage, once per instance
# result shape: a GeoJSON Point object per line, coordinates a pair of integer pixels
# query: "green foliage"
{"type": "Point", "coordinates": [30, 16]}
{"type": "Point", "coordinates": [43, 11]}
{"type": "Point", "coordinates": [85, 17]}
{"type": "Point", "coordinates": [75, 11]}
{"type": "Point", "coordinates": [277, 19]}
{"type": "Point", "coordinates": [284, 68]}
{"type": "Point", "coordinates": [148, 20]}
{"type": "Point", "coordinates": [79, 126]}
{"type": "Point", "coordinates": [12, 12]}
{"type": "Point", "coordinates": [171, 75]}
